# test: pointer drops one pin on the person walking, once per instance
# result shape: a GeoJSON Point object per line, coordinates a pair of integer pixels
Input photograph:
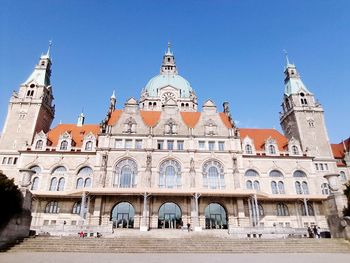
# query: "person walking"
{"type": "Point", "coordinates": [315, 231]}
{"type": "Point", "coordinates": [309, 231]}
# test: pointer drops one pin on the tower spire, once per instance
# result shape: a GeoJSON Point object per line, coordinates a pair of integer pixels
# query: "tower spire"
{"type": "Point", "coordinates": [286, 55]}
{"type": "Point", "coordinates": [49, 49]}
{"type": "Point", "coordinates": [168, 52]}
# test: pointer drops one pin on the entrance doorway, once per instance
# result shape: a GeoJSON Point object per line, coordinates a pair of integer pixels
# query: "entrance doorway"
{"type": "Point", "coordinates": [169, 216]}
{"type": "Point", "coordinates": [123, 215]}
{"type": "Point", "coordinates": [215, 217]}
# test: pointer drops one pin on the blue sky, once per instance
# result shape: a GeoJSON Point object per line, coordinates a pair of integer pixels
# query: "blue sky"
{"type": "Point", "coordinates": [228, 51]}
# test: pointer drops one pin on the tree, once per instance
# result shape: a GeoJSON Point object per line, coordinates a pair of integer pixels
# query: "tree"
{"type": "Point", "coordinates": [346, 210]}
{"type": "Point", "coordinates": [11, 200]}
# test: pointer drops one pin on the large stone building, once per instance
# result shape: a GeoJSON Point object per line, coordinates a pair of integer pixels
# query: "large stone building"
{"type": "Point", "coordinates": [161, 163]}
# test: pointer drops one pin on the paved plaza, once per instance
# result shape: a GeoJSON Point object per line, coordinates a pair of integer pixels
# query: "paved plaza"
{"type": "Point", "coordinates": [36, 257]}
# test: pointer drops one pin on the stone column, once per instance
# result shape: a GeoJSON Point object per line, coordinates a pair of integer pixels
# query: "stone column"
{"type": "Point", "coordinates": [144, 226]}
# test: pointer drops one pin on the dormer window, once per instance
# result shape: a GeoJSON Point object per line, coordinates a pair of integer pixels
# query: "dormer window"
{"type": "Point", "coordinates": [39, 145]}
{"type": "Point", "coordinates": [248, 149]}
{"type": "Point", "coordinates": [295, 150]}
{"type": "Point", "coordinates": [64, 145]}
{"type": "Point", "coordinates": [88, 146]}
{"type": "Point", "coordinates": [272, 149]}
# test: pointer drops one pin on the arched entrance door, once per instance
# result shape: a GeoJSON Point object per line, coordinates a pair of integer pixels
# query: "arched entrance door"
{"type": "Point", "coordinates": [123, 215]}
{"type": "Point", "coordinates": [215, 217]}
{"type": "Point", "coordinates": [169, 216]}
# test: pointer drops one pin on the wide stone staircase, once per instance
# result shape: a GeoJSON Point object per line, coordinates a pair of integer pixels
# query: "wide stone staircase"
{"type": "Point", "coordinates": [183, 243]}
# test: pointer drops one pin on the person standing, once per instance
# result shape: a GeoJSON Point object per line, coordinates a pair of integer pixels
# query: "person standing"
{"type": "Point", "coordinates": [315, 231]}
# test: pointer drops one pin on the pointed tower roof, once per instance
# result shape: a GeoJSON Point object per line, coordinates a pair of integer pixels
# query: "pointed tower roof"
{"type": "Point", "coordinates": [42, 71]}
{"type": "Point", "coordinates": [292, 82]}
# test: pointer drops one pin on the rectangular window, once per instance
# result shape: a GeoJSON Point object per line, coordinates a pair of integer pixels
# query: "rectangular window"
{"type": "Point", "coordinates": [118, 143]}
{"type": "Point", "coordinates": [4, 160]}
{"type": "Point", "coordinates": [160, 145]}
{"type": "Point", "coordinates": [128, 144]}
{"type": "Point", "coordinates": [138, 144]}
{"type": "Point", "coordinates": [53, 222]}
{"type": "Point", "coordinates": [287, 224]}
{"type": "Point", "coordinates": [316, 166]}
{"type": "Point", "coordinates": [46, 222]}
{"type": "Point", "coordinates": [15, 160]}
{"type": "Point", "coordinates": [280, 224]}
{"type": "Point", "coordinates": [9, 161]}
{"type": "Point", "coordinates": [321, 166]}
{"type": "Point", "coordinates": [221, 146]}
{"type": "Point", "coordinates": [201, 145]}
{"type": "Point", "coordinates": [180, 145]}
{"type": "Point", "coordinates": [326, 166]}
{"type": "Point", "coordinates": [211, 146]}
{"type": "Point", "coordinates": [170, 145]}
{"type": "Point", "coordinates": [73, 222]}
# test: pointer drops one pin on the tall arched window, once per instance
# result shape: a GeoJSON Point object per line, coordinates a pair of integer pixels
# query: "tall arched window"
{"type": "Point", "coordinates": [123, 215]}
{"type": "Point", "coordinates": [87, 182]}
{"type": "Point", "coordinates": [310, 209]}
{"type": "Point", "coordinates": [215, 217]}
{"type": "Point", "coordinates": [248, 149]}
{"type": "Point", "coordinates": [76, 208]}
{"type": "Point", "coordinates": [52, 207]}
{"type": "Point", "coordinates": [39, 145]}
{"type": "Point", "coordinates": [342, 176]}
{"type": "Point", "coordinates": [298, 189]}
{"type": "Point", "coordinates": [35, 184]}
{"type": "Point", "coordinates": [305, 188]}
{"type": "Point", "coordinates": [256, 185]}
{"type": "Point", "coordinates": [282, 209]}
{"type": "Point", "coordinates": [84, 177]}
{"type": "Point", "coordinates": [53, 184]}
{"type": "Point", "coordinates": [249, 184]}
{"type": "Point", "coordinates": [274, 188]}
{"type": "Point", "coordinates": [80, 183]}
{"type": "Point", "coordinates": [281, 187]}
{"type": "Point", "coordinates": [325, 189]}
{"type": "Point", "coordinates": [61, 184]}
{"type": "Point", "coordinates": [125, 174]}
{"type": "Point", "coordinates": [170, 174]}
{"type": "Point", "coordinates": [213, 175]}
{"type": "Point", "coordinates": [64, 145]}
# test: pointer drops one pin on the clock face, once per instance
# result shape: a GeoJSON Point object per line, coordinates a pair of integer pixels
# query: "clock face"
{"type": "Point", "coordinates": [167, 96]}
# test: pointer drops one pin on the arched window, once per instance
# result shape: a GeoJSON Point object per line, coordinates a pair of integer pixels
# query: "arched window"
{"type": "Point", "coordinates": [310, 209]}
{"type": "Point", "coordinates": [35, 184]}
{"type": "Point", "coordinates": [52, 207]}
{"type": "Point", "coordinates": [305, 188]}
{"type": "Point", "coordinates": [215, 217]}
{"type": "Point", "coordinates": [61, 184]}
{"type": "Point", "coordinates": [251, 172]}
{"type": "Point", "coordinates": [272, 149]}
{"type": "Point", "coordinates": [249, 184]}
{"type": "Point", "coordinates": [213, 175]}
{"type": "Point", "coordinates": [76, 208]}
{"type": "Point", "coordinates": [64, 145]}
{"type": "Point", "coordinates": [87, 182]}
{"type": "Point", "coordinates": [170, 174]}
{"type": "Point", "coordinates": [274, 188]}
{"type": "Point", "coordinates": [298, 189]}
{"type": "Point", "coordinates": [248, 149]}
{"type": "Point", "coordinates": [125, 174]}
{"type": "Point", "coordinates": [342, 176]}
{"type": "Point", "coordinates": [275, 173]}
{"type": "Point", "coordinates": [281, 187]}
{"type": "Point", "coordinates": [325, 189]}
{"type": "Point", "coordinates": [88, 146]}
{"type": "Point", "coordinates": [39, 145]}
{"type": "Point", "coordinates": [282, 209]}
{"type": "Point", "coordinates": [169, 216]}
{"type": "Point", "coordinates": [295, 150]}
{"type": "Point", "coordinates": [256, 185]}
{"type": "Point", "coordinates": [53, 184]}
{"type": "Point", "coordinates": [299, 173]}
{"type": "Point", "coordinates": [80, 183]}
{"type": "Point", "coordinates": [123, 215]}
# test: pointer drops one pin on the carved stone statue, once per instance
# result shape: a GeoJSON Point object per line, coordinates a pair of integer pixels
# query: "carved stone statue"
{"type": "Point", "coordinates": [192, 173]}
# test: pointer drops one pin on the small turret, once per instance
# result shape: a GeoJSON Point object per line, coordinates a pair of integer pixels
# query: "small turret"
{"type": "Point", "coordinates": [81, 119]}
{"type": "Point", "coordinates": [113, 101]}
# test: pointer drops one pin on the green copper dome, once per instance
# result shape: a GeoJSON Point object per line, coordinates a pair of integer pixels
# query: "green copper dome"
{"type": "Point", "coordinates": [173, 80]}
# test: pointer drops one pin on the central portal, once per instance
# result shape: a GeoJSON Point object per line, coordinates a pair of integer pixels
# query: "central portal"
{"type": "Point", "coordinates": [169, 216]}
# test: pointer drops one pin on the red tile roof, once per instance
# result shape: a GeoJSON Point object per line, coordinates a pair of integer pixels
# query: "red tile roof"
{"type": "Point", "coordinates": [190, 118]}
{"type": "Point", "coordinates": [225, 120]}
{"type": "Point", "coordinates": [150, 118]}
{"type": "Point", "coordinates": [114, 117]}
{"type": "Point", "coordinates": [259, 136]}
{"type": "Point", "coordinates": [76, 132]}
